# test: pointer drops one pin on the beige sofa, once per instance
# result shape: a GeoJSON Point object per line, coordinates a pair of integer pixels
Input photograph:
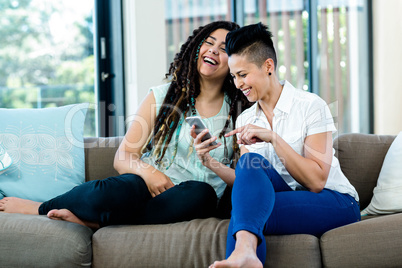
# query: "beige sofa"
{"type": "Point", "coordinates": [36, 241]}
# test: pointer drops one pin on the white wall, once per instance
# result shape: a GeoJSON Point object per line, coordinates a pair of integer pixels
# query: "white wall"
{"type": "Point", "coordinates": [387, 44]}
{"type": "Point", "coordinates": [144, 49]}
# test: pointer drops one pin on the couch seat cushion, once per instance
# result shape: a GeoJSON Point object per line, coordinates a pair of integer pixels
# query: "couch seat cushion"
{"type": "Point", "coordinates": [374, 242]}
{"type": "Point", "coordinates": [196, 243]}
{"type": "Point", "coordinates": [36, 241]}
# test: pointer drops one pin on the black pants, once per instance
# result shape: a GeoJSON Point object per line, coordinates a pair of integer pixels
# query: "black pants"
{"type": "Point", "coordinates": [125, 199]}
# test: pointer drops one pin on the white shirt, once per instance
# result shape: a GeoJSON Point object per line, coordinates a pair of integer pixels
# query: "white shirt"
{"type": "Point", "coordinates": [297, 114]}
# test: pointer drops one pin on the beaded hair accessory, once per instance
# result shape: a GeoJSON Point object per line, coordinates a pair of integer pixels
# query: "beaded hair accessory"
{"type": "Point", "coordinates": [198, 49]}
{"type": "Point", "coordinates": [184, 89]}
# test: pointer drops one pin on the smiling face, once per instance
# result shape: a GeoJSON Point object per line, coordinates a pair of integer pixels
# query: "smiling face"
{"type": "Point", "coordinates": [212, 62]}
{"type": "Point", "coordinates": [252, 80]}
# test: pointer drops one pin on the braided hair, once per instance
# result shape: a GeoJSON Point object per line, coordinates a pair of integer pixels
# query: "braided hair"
{"type": "Point", "coordinates": [184, 89]}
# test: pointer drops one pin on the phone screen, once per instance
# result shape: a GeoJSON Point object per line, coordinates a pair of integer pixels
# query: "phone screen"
{"type": "Point", "coordinates": [199, 127]}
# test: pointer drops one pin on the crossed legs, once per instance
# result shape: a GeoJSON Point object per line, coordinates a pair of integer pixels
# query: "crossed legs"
{"type": "Point", "coordinates": [263, 204]}
{"type": "Point", "coordinates": [124, 199]}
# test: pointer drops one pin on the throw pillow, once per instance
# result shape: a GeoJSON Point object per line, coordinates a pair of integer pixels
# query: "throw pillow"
{"type": "Point", "coordinates": [387, 196]}
{"type": "Point", "coordinates": [46, 147]}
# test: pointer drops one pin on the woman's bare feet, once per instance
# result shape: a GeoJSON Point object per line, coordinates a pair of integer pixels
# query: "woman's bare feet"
{"type": "Point", "coordinates": [19, 205]}
{"type": "Point", "coordinates": [244, 254]}
{"type": "Point", "coordinates": [67, 215]}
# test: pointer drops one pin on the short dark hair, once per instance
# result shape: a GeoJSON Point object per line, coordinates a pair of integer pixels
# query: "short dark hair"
{"type": "Point", "coordinates": [254, 41]}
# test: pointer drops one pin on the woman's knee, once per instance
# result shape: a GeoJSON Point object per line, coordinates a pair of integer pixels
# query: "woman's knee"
{"type": "Point", "coordinates": [201, 193]}
{"type": "Point", "coordinates": [115, 191]}
{"type": "Point", "coordinates": [199, 188]}
{"type": "Point", "coordinates": [252, 161]}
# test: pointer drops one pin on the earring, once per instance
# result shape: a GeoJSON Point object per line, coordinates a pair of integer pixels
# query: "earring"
{"type": "Point", "coordinates": [269, 73]}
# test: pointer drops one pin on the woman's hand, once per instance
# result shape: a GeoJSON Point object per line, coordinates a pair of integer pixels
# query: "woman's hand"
{"type": "Point", "coordinates": [250, 134]}
{"type": "Point", "coordinates": [157, 182]}
{"type": "Point", "coordinates": [203, 147]}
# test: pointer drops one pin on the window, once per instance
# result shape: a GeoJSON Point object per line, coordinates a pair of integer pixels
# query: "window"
{"type": "Point", "coordinates": [55, 53]}
{"type": "Point", "coordinates": [323, 46]}
{"type": "Point", "coordinates": [288, 21]}
{"type": "Point", "coordinates": [182, 17]}
{"type": "Point", "coordinates": [341, 75]}
{"type": "Point", "coordinates": [47, 55]}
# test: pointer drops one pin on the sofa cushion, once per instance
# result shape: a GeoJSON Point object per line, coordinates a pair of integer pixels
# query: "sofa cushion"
{"type": "Point", "coordinates": [196, 243]}
{"type": "Point", "coordinates": [36, 241]}
{"type": "Point", "coordinates": [387, 197]}
{"type": "Point", "coordinates": [374, 242]}
{"type": "Point", "coordinates": [46, 147]}
{"type": "Point", "coordinates": [361, 157]}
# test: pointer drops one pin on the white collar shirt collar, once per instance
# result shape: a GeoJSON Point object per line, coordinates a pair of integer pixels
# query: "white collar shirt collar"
{"type": "Point", "coordinates": [297, 114]}
{"type": "Point", "coordinates": [281, 111]}
{"type": "Point", "coordinates": [294, 119]}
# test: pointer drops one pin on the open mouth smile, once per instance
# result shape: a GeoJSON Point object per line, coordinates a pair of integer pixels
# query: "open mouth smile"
{"type": "Point", "coordinates": [210, 60]}
{"type": "Point", "coordinates": [246, 92]}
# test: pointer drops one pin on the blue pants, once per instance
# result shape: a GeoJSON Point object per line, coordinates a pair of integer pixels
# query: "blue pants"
{"type": "Point", "coordinates": [125, 199]}
{"type": "Point", "coordinates": [264, 204]}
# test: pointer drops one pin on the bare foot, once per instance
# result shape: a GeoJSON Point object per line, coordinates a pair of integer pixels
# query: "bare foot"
{"type": "Point", "coordinates": [19, 205]}
{"type": "Point", "coordinates": [244, 255]}
{"type": "Point", "coordinates": [239, 260]}
{"type": "Point", "coordinates": [67, 215]}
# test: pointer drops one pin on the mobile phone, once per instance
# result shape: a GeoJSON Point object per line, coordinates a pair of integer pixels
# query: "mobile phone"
{"type": "Point", "coordinates": [199, 127]}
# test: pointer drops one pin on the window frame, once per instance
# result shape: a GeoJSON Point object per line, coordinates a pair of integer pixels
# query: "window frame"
{"type": "Point", "coordinates": [109, 67]}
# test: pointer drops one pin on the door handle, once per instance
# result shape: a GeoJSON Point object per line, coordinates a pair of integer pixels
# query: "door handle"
{"type": "Point", "coordinates": [104, 76]}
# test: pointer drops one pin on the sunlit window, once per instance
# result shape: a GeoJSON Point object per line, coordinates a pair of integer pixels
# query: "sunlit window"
{"type": "Point", "coordinates": [47, 55]}
{"type": "Point", "coordinates": [182, 17]}
{"type": "Point", "coordinates": [322, 46]}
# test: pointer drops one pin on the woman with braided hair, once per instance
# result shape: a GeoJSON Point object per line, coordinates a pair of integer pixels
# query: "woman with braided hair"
{"type": "Point", "coordinates": [162, 179]}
